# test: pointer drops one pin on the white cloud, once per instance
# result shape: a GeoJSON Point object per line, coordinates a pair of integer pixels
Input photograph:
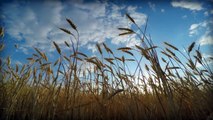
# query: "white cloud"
{"type": "Point", "coordinates": [208, 61]}
{"type": "Point", "coordinates": [84, 66]}
{"type": "Point", "coordinates": [132, 42]}
{"type": "Point", "coordinates": [206, 39]}
{"type": "Point", "coordinates": [98, 29]}
{"type": "Point", "coordinates": [12, 61]}
{"type": "Point", "coordinates": [36, 24]}
{"type": "Point", "coordinates": [211, 11]}
{"type": "Point", "coordinates": [162, 10]}
{"type": "Point", "coordinates": [206, 13]}
{"type": "Point", "coordinates": [92, 47]}
{"type": "Point", "coordinates": [187, 5]}
{"type": "Point", "coordinates": [151, 5]}
{"type": "Point", "coordinates": [139, 18]}
{"type": "Point", "coordinates": [32, 23]}
{"type": "Point", "coordinates": [18, 63]}
{"type": "Point", "coordinates": [207, 56]}
{"type": "Point", "coordinates": [194, 28]}
{"type": "Point", "coordinates": [184, 16]}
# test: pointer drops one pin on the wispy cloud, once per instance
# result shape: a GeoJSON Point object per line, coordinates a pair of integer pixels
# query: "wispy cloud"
{"type": "Point", "coordinates": [18, 63]}
{"type": "Point", "coordinates": [206, 39]}
{"type": "Point", "coordinates": [162, 10]}
{"type": "Point", "coordinates": [208, 60]}
{"type": "Point", "coordinates": [195, 6]}
{"type": "Point", "coordinates": [31, 23]}
{"type": "Point", "coordinates": [206, 13]}
{"type": "Point", "coordinates": [193, 30]}
{"type": "Point", "coordinates": [184, 16]}
{"type": "Point", "coordinates": [211, 11]}
{"type": "Point", "coordinates": [36, 24]}
{"type": "Point", "coordinates": [152, 6]}
{"type": "Point", "coordinates": [132, 41]}
{"type": "Point", "coordinates": [92, 47]}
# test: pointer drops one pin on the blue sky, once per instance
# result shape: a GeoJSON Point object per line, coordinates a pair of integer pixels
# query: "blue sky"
{"type": "Point", "coordinates": [35, 24]}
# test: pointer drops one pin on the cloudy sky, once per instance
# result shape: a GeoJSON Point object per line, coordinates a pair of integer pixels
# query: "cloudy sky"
{"type": "Point", "coordinates": [36, 24]}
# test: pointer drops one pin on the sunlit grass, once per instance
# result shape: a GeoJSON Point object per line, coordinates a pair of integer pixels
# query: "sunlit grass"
{"type": "Point", "coordinates": [106, 89]}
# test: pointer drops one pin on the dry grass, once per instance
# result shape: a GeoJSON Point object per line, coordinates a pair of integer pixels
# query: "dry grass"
{"type": "Point", "coordinates": [108, 90]}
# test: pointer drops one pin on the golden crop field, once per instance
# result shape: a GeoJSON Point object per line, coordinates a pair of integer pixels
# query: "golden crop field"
{"type": "Point", "coordinates": [107, 90]}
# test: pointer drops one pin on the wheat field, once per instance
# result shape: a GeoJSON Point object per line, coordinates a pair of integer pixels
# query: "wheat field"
{"type": "Point", "coordinates": [107, 89]}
